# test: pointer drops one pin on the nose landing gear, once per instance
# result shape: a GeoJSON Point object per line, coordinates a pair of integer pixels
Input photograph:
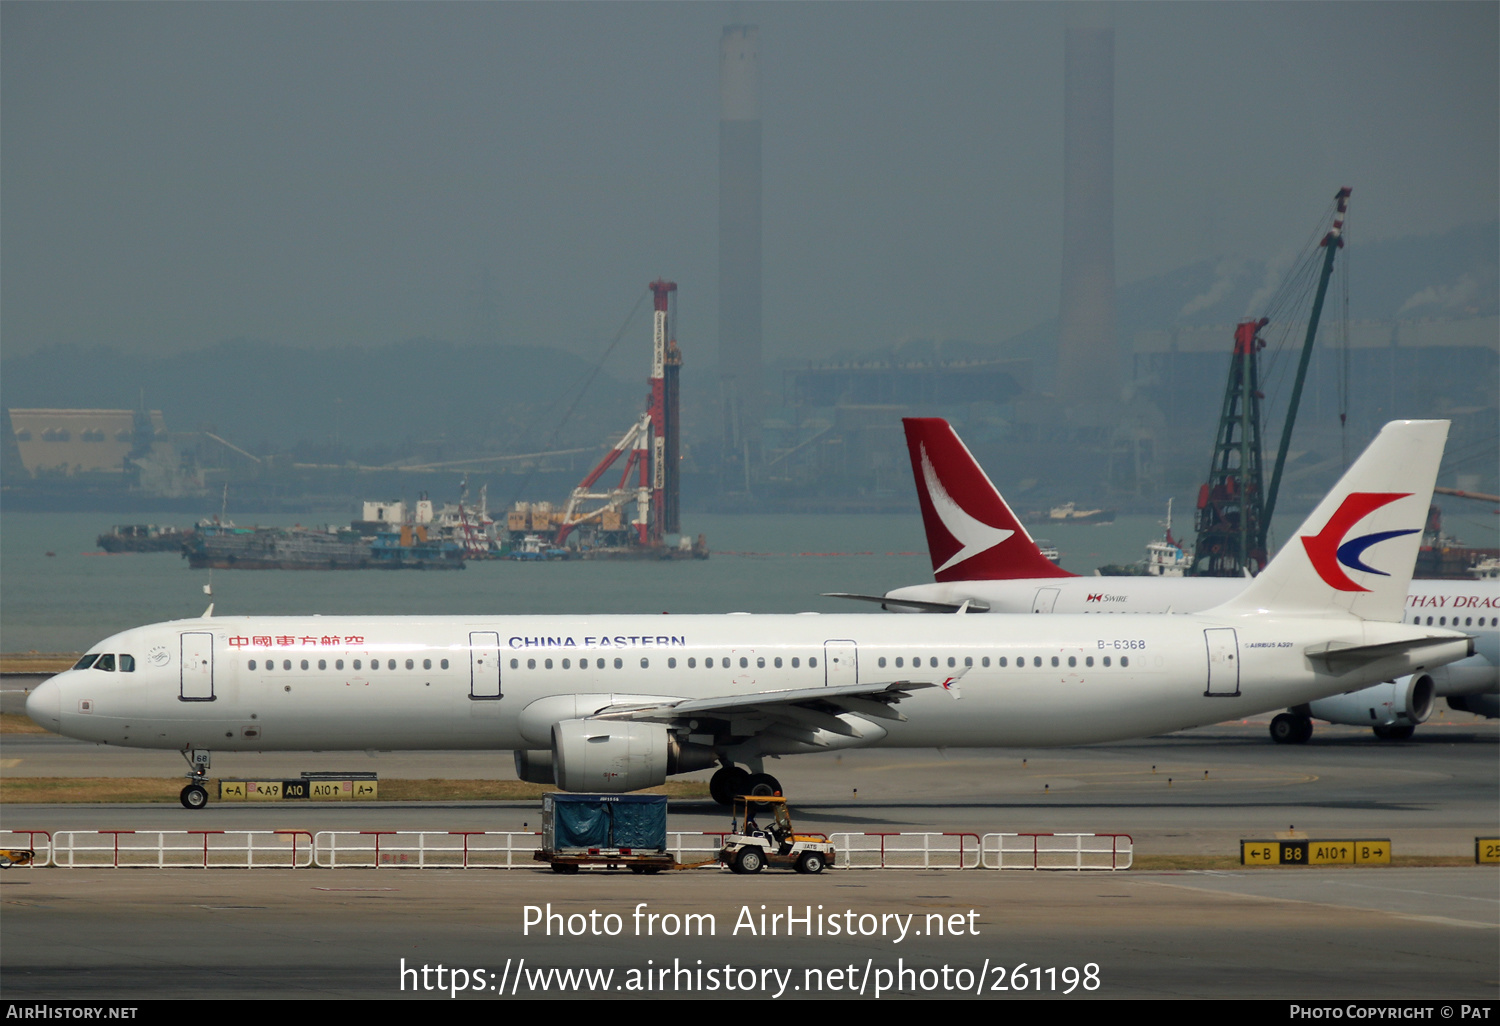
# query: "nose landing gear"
{"type": "Point", "coordinates": [195, 795]}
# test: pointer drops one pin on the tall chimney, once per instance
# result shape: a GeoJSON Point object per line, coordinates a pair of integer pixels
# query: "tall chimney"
{"type": "Point", "coordinates": [1088, 358]}
{"type": "Point", "coordinates": [739, 243]}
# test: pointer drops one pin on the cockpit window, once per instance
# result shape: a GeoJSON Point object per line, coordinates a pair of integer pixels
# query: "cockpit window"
{"type": "Point", "coordinates": [106, 662]}
{"type": "Point", "coordinates": [127, 663]}
{"type": "Point", "coordinates": [86, 661]}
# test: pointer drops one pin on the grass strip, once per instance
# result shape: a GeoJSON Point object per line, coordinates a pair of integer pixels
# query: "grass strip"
{"type": "Point", "coordinates": [15, 723]}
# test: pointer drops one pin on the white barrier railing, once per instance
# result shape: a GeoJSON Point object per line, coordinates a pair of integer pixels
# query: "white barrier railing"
{"type": "Point", "coordinates": [1057, 851]}
{"type": "Point", "coordinates": [901, 850]}
{"type": "Point", "coordinates": [461, 849]}
{"type": "Point", "coordinates": [182, 849]}
{"type": "Point", "coordinates": [424, 849]}
{"type": "Point", "coordinates": [27, 840]}
{"type": "Point", "coordinates": [494, 849]}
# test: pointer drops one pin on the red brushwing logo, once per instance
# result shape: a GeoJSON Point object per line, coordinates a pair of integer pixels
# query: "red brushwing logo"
{"type": "Point", "coordinates": [1327, 549]}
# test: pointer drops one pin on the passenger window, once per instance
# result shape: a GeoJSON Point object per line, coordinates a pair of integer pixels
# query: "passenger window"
{"type": "Point", "coordinates": [952, 662]}
{"type": "Point", "coordinates": [252, 664]}
{"type": "Point", "coordinates": [286, 664]}
{"type": "Point", "coordinates": [86, 661]}
{"type": "Point", "coordinates": [760, 662]}
{"type": "Point", "coordinates": [374, 664]}
{"type": "Point", "coordinates": [1054, 660]}
{"type": "Point", "coordinates": [106, 662]}
{"type": "Point", "coordinates": [357, 664]}
{"type": "Point", "coordinates": [515, 664]}
{"type": "Point", "coordinates": [322, 664]}
{"type": "Point", "coordinates": [986, 661]}
{"type": "Point", "coordinates": [390, 664]}
{"type": "Point", "coordinates": [881, 662]}
{"type": "Point", "coordinates": [708, 663]}
{"type": "Point", "coordinates": [338, 664]}
{"type": "Point", "coordinates": [304, 664]}
{"type": "Point", "coordinates": [566, 665]}
{"type": "Point", "coordinates": [444, 664]}
{"type": "Point", "coordinates": [1088, 660]}
{"type": "Point", "coordinates": [671, 663]}
{"type": "Point", "coordinates": [531, 664]}
{"type": "Point", "coordinates": [410, 665]}
{"type": "Point", "coordinates": [969, 660]}
{"type": "Point", "coordinates": [1106, 660]}
{"type": "Point", "coordinates": [778, 662]}
{"type": "Point", "coordinates": [1036, 661]}
{"type": "Point", "coordinates": [426, 664]}
{"type": "Point", "coordinates": [744, 662]}
{"type": "Point", "coordinates": [812, 661]}
{"type": "Point", "coordinates": [899, 662]}
{"type": "Point", "coordinates": [127, 664]}
{"type": "Point", "coordinates": [692, 663]}
{"type": "Point", "coordinates": [1124, 660]}
{"type": "Point", "coordinates": [1072, 660]}
{"type": "Point", "coordinates": [1001, 662]}
{"type": "Point", "coordinates": [619, 663]}
{"type": "Point", "coordinates": [645, 663]}
{"type": "Point", "coordinates": [796, 662]}
{"type": "Point", "coordinates": [547, 663]}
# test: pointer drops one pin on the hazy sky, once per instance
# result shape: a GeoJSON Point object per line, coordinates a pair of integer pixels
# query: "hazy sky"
{"type": "Point", "coordinates": [174, 174]}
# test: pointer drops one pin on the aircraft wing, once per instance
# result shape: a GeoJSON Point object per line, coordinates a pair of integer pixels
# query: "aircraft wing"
{"type": "Point", "coordinates": [803, 711]}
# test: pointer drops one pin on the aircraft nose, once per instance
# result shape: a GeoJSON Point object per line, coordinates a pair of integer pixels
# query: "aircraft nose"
{"type": "Point", "coordinates": [44, 706]}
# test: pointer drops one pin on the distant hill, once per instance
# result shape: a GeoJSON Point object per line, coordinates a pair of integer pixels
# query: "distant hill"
{"type": "Point", "coordinates": [269, 397]}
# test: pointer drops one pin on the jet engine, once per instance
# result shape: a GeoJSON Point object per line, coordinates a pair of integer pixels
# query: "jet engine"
{"type": "Point", "coordinates": [1404, 702]}
{"type": "Point", "coordinates": [614, 756]}
{"type": "Point", "coordinates": [1487, 706]}
{"type": "Point", "coordinates": [536, 767]}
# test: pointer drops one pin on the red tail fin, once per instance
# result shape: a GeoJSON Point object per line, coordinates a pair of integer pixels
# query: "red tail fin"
{"type": "Point", "coordinates": [971, 533]}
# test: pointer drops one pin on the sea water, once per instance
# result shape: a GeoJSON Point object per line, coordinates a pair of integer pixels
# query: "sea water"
{"type": "Point", "coordinates": [59, 593]}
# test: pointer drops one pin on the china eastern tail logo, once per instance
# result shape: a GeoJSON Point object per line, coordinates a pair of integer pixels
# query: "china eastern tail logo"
{"type": "Point", "coordinates": [1327, 549]}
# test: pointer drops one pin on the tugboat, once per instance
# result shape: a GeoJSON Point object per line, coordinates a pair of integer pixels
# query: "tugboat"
{"type": "Point", "coordinates": [1165, 557]}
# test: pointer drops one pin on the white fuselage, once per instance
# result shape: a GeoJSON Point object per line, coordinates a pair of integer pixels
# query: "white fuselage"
{"type": "Point", "coordinates": [1469, 606]}
{"type": "Point", "coordinates": [307, 683]}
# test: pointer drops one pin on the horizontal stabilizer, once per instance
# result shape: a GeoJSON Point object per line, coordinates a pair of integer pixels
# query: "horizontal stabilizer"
{"type": "Point", "coordinates": [926, 606]}
{"type": "Point", "coordinates": [1340, 658]}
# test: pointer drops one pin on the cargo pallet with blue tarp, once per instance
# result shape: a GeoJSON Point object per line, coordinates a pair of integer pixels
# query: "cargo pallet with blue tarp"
{"type": "Point", "coordinates": [610, 830]}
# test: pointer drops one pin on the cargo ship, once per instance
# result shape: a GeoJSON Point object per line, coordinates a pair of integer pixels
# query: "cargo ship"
{"type": "Point", "coordinates": [226, 547]}
{"type": "Point", "coordinates": [1069, 513]}
{"type": "Point", "coordinates": [143, 538]}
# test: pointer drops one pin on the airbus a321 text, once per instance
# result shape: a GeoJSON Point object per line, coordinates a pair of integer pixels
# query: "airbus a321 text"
{"type": "Point", "coordinates": [617, 703]}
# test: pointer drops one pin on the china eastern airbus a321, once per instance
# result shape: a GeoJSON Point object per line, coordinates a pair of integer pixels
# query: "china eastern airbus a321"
{"type": "Point", "coordinates": [983, 560]}
{"type": "Point", "coordinates": [617, 703]}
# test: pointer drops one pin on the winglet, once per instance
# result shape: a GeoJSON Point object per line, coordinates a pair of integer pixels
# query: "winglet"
{"type": "Point", "coordinates": [1357, 550]}
{"type": "Point", "coordinates": [972, 534]}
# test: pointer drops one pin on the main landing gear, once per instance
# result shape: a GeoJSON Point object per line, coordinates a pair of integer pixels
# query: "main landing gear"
{"type": "Point", "coordinates": [195, 795]}
{"type": "Point", "coordinates": [1291, 729]}
{"type": "Point", "coordinates": [732, 782]}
